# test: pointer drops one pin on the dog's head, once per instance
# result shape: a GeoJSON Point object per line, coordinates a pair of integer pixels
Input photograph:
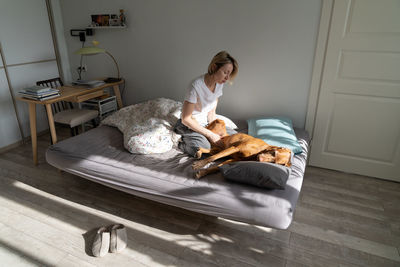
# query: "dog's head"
{"type": "Point", "coordinates": [278, 155]}
{"type": "Point", "coordinates": [217, 126]}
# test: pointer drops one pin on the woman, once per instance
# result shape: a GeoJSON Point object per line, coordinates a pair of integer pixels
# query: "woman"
{"type": "Point", "coordinates": [201, 102]}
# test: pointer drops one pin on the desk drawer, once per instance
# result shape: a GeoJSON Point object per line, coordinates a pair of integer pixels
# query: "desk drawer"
{"type": "Point", "coordinates": [81, 98]}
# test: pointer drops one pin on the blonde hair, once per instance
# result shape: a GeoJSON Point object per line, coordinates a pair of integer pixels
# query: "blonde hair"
{"type": "Point", "coordinates": [220, 60]}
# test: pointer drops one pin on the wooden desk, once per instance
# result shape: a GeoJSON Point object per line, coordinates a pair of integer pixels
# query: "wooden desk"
{"type": "Point", "coordinates": [67, 93]}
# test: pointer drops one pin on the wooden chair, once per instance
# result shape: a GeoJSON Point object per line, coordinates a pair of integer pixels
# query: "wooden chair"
{"type": "Point", "coordinates": [64, 112]}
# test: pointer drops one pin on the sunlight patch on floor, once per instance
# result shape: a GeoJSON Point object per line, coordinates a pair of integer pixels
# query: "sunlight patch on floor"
{"type": "Point", "coordinates": [10, 258]}
{"type": "Point", "coordinates": [188, 241]}
{"type": "Point", "coordinates": [256, 250]}
{"type": "Point", "coordinates": [265, 229]}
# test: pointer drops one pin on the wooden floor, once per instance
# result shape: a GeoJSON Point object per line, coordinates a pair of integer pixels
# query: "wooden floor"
{"type": "Point", "coordinates": [47, 217]}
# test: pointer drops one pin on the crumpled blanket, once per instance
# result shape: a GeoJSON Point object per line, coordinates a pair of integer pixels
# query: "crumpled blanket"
{"type": "Point", "coordinates": [148, 127]}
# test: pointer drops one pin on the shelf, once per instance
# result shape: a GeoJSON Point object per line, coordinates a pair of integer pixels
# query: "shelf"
{"type": "Point", "coordinates": [106, 27]}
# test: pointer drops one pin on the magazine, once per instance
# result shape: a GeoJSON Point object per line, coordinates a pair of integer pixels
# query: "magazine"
{"type": "Point", "coordinates": [92, 83]}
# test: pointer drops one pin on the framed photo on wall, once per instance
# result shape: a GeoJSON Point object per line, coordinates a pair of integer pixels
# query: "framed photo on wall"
{"type": "Point", "coordinates": [100, 20]}
{"type": "Point", "coordinates": [114, 20]}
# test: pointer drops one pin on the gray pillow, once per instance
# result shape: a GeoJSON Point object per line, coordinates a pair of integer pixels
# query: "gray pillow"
{"type": "Point", "coordinates": [261, 174]}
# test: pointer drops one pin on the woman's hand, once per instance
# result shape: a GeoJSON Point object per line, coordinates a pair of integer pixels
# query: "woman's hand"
{"type": "Point", "coordinates": [189, 122]}
{"type": "Point", "coordinates": [214, 138]}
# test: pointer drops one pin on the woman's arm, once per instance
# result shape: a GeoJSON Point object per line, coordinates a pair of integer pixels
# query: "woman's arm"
{"type": "Point", "coordinates": [211, 116]}
{"type": "Point", "coordinates": [191, 123]}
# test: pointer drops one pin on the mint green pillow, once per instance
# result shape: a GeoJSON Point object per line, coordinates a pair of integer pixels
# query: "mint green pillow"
{"type": "Point", "coordinates": [276, 131]}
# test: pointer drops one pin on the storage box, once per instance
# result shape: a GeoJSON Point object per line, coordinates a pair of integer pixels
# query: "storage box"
{"type": "Point", "coordinates": [106, 105]}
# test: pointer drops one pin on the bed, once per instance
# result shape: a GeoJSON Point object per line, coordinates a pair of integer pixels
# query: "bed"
{"type": "Point", "coordinates": [99, 155]}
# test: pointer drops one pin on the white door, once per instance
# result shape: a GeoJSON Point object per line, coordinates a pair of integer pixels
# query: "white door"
{"type": "Point", "coordinates": [357, 125]}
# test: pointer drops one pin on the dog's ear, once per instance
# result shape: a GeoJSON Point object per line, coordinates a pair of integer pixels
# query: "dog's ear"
{"type": "Point", "coordinates": [219, 121]}
{"type": "Point", "coordinates": [217, 126]}
{"type": "Point", "coordinates": [211, 125]}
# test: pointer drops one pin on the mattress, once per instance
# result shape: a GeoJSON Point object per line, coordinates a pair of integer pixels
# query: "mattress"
{"type": "Point", "coordinates": [99, 155]}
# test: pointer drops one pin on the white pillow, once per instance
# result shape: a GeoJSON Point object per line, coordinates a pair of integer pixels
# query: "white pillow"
{"type": "Point", "coordinates": [228, 122]}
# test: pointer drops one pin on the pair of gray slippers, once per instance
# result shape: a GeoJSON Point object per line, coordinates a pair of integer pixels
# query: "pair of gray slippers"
{"type": "Point", "coordinates": [112, 239]}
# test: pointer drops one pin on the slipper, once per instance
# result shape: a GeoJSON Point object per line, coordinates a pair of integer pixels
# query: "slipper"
{"type": "Point", "coordinates": [119, 238]}
{"type": "Point", "coordinates": [101, 242]}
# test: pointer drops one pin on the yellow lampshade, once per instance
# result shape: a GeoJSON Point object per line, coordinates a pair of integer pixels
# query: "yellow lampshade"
{"type": "Point", "coordinates": [94, 50]}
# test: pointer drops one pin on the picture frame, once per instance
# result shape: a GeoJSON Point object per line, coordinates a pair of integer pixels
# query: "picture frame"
{"type": "Point", "coordinates": [114, 20]}
{"type": "Point", "coordinates": [101, 20]}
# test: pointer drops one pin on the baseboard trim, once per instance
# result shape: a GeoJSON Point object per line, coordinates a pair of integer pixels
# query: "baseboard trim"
{"type": "Point", "coordinates": [20, 142]}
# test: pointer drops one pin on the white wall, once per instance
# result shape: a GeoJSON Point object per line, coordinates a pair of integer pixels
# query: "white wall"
{"type": "Point", "coordinates": [169, 42]}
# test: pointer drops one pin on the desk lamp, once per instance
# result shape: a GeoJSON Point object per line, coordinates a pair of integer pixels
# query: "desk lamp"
{"type": "Point", "coordinates": [94, 50]}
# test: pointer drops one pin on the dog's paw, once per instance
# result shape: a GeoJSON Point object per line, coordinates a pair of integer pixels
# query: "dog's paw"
{"type": "Point", "coordinates": [198, 154]}
{"type": "Point", "coordinates": [199, 164]}
{"type": "Point", "coordinates": [197, 174]}
{"type": "Point", "coordinates": [200, 173]}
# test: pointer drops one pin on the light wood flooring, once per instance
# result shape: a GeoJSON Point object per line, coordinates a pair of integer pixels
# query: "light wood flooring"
{"type": "Point", "coordinates": [47, 217]}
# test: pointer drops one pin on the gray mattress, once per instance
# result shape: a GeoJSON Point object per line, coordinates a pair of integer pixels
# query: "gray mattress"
{"type": "Point", "coordinates": [99, 155]}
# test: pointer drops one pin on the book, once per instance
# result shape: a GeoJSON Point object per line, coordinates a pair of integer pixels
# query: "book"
{"type": "Point", "coordinates": [49, 92]}
{"type": "Point", "coordinates": [48, 97]}
{"type": "Point", "coordinates": [37, 89]}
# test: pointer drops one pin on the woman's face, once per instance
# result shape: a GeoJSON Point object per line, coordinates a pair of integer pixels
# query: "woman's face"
{"type": "Point", "coordinates": [224, 73]}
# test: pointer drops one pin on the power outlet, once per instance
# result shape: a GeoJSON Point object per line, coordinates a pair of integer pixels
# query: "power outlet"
{"type": "Point", "coordinates": [83, 68]}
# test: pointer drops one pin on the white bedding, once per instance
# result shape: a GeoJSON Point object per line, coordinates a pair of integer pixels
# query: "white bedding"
{"type": "Point", "coordinates": [147, 127]}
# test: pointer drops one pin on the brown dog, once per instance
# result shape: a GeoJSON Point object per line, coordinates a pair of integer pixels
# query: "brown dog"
{"type": "Point", "coordinates": [240, 147]}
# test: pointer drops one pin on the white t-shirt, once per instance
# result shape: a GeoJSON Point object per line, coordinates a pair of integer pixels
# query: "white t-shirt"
{"type": "Point", "coordinates": [204, 100]}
